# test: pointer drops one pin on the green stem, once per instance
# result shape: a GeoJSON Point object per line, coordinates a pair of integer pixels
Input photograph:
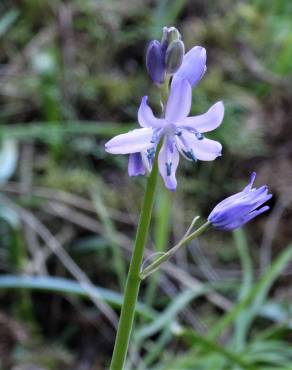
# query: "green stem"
{"type": "Point", "coordinates": [133, 280]}
{"type": "Point", "coordinates": [156, 264]}
{"type": "Point", "coordinates": [164, 92]}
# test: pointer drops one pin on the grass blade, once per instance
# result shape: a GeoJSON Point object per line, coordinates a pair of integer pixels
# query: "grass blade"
{"type": "Point", "coordinates": [66, 286]}
{"type": "Point", "coordinates": [241, 326]}
{"type": "Point", "coordinates": [211, 346]}
{"type": "Point", "coordinates": [256, 295]}
{"type": "Point", "coordinates": [43, 131]}
{"type": "Point", "coordinates": [110, 234]}
{"type": "Point", "coordinates": [7, 20]}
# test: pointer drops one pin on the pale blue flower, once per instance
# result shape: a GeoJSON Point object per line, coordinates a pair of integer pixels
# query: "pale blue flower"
{"type": "Point", "coordinates": [180, 133]}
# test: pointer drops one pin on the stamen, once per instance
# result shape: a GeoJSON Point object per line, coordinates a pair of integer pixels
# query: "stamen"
{"type": "Point", "coordinates": [153, 139]}
{"type": "Point", "coordinates": [199, 136]}
{"type": "Point", "coordinates": [150, 154]}
{"type": "Point", "coordinates": [178, 133]}
{"type": "Point", "coordinates": [190, 154]}
{"type": "Point", "coordinates": [155, 136]}
{"type": "Point", "coordinates": [168, 168]}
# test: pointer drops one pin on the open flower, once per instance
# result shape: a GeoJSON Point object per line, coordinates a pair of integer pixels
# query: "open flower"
{"type": "Point", "coordinates": [238, 209]}
{"type": "Point", "coordinates": [180, 133]}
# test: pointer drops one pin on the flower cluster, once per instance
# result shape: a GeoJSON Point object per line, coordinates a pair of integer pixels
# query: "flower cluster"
{"type": "Point", "coordinates": [179, 132]}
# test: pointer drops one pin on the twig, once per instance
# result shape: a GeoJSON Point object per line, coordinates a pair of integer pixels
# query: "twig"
{"type": "Point", "coordinates": [54, 245]}
{"type": "Point", "coordinates": [67, 198]}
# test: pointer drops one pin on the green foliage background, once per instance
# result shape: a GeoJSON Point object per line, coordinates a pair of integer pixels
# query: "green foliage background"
{"type": "Point", "coordinates": [72, 74]}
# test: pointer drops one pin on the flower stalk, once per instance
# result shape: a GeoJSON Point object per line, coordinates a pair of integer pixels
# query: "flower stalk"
{"type": "Point", "coordinates": [156, 264]}
{"type": "Point", "coordinates": [133, 279]}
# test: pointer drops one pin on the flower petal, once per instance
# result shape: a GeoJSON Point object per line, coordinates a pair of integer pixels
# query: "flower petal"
{"type": "Point", "coordinates": [167, 162]}
{"type": "Point", "coordinates": [135, 165]}
{"type": "Point", "coordinates": [193, 66]}
{"type": "Point", "coordinates": [207, 150]}
{"type": "Point", "coordinates": [256, 212]}
{"type": "Point", "coordinates": [155, 62]}
{"type": "Point", "coordinates": [246, 200]}
{"type": "Point", "coordinates": [245, 219]}
{"type": "Point", "coordinates": [227, 215]}
{"type": "Point", "coordinates": [194, 148]}
{"type": "Point", "coordinates": [131, 142]}
{"type": "Point", "coordinates": [252, 180]}
{"type": "Point", "coordinates": [207, 121]}
{"type": "Point", "coordinates": [179, 101]}
{"type": "Point", "coordinates": [146, 117]}
{"type": "Point", "coordinates": [238, 196]}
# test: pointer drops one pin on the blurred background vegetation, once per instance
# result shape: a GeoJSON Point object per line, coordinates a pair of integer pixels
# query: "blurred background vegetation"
{"type": "Point", "coordinates": [72, 74]}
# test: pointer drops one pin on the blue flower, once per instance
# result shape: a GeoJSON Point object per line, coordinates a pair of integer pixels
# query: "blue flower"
{"type": "Point", "coordinates": [155, 62]}
{"type": "Point", "coordinates": [180, 134]}
{"type": "Point", "coordinates": [238, 209]}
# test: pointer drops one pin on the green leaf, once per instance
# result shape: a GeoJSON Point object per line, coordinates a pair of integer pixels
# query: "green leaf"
{"type": "Point", "coordinates": [43, 131]}
{"type": "Point", "coordinates": [211, 346]}
{"type": "Point", "coordinates": [241, 326]}
{"type": "Point", "coordinates": [66, 286]}
{"type": "Point", "coordinates": [167, 317]}
{"type": "Point", "coordinates": [256, 296]}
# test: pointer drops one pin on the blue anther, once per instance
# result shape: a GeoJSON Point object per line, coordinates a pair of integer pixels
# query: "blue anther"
{"type": "Point", "coordinates": [190, 154]}
{"type": "Point", "coordinates": [199, 136]}
{"type": "Point", "coordinates": [150, 154]}
{"type": "Point", "coordinates": [168, 168]}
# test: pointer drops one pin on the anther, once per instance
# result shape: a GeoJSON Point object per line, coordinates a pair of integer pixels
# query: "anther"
{"type": "Point", "coordinates": [168, 168]}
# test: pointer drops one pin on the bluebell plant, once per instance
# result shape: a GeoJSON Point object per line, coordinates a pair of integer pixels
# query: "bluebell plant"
{"type": "Point", "coordinates": [157, 146]}
{"type": "Point", "coordinates": [178, 132]}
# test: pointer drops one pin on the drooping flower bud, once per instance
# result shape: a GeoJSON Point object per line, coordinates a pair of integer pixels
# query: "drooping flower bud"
{"type": "Point", "coordinates": [174, 56]}
{"type": "Point", "coordinates": [155, 62]}
{"type": "Point", "coordinates": [238, 209]}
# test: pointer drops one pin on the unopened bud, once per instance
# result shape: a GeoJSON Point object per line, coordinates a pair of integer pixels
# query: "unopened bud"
{"type": "Point", "coordinates": [155, 62]}
{"type": "Point", "coordinates": [169, 35]}
{"type": "Point", "coordinates": [174, 56]}
{"type": "Point", "coordinates": [173, 34]}
{"type": "Point", "coordinates": [164, 38]}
